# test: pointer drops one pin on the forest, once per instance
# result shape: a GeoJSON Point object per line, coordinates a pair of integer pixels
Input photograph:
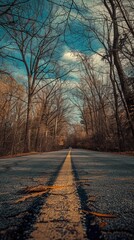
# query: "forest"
{"type": "Point", "coordinates": [66, 75]}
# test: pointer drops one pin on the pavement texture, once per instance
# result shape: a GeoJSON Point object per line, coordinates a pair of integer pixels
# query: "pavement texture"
{"type": "Point", "coordinates": [106, 187]}
{"type": "Point", "coordinates": [67, 195]}
{"type": "Point", "coordinates": [16, 175]}
{"type": "Point", "coordinates": [60, 215]}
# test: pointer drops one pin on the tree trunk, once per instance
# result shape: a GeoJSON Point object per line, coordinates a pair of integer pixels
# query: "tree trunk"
{"type": "Point", "coordinates": [27, 143]}
{"type": "Point", "coordinates": [119, 132]}
{"type": "Point", "coordinates": [122, 76]}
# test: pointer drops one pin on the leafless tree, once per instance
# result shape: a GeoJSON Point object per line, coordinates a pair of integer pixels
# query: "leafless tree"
{"type": "Point", "coordinates": [12, 114]}
{"type": "Point", "coordinates": [35, 44]}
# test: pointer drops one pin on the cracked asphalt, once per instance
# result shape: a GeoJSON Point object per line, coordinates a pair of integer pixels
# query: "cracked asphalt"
{"type": "Point", "coordinates": [87, 196]}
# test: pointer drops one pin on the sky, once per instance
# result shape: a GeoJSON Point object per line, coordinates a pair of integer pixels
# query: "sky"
{"type": "Point", "coordinates": [74, 38]}
{"type": "Point", "coordinates": [70, 19]}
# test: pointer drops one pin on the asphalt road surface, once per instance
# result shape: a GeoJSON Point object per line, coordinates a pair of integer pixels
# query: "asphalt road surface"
{"type": "Point", "coordinates": [71, 195]}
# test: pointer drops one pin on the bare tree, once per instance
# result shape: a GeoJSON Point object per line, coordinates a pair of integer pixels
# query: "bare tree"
{"type": "Point", "coordinates": [12, 114]}
{"type": "Point", "coordinates": [35, 44]}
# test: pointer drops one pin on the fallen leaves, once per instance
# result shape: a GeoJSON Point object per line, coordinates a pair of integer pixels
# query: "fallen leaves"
{"type": "Point", "coordinates": [102, 224]}
{"type": "Point", "coordinates": [97, 214]}
{"type": "Point", "coordinates": [30, 196]}
{"type": "Point", "coordinates": [39, 190]}
{"type": "Point", "coordinates": [92, 198]}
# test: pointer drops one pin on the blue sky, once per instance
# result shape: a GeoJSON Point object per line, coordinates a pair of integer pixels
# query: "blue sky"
{"type": "Point", "coordinates": [74, 38]}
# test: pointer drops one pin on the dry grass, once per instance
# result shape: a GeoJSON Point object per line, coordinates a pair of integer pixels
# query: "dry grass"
{"type": "Point", "coordinates": [127, 153]}
{"type": "Point", "coordinates": [19, 155]}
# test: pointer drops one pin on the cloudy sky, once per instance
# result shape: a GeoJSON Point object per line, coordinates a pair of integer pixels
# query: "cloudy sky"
{"type": "Point", "coordinates": [72, 19]}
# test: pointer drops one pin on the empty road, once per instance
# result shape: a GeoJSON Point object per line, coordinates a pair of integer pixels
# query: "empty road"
{"type": "Point", "coordinates": [69, 194]}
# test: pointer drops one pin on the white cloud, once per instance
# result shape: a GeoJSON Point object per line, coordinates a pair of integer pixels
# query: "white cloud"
{"type": "Point", "coordinates": [74, 74]}
{"type": "Point", "coordinates": [100, 66]}
{"type": "Point", "coordinates": [69, 84]}
{"type": "Point", "coordinates": [70, 56]}
{"type": "Point", "coordinates": [97, 57]}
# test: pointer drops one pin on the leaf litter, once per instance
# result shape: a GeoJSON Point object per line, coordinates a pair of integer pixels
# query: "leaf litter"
{"type": "Point", "coordinates": [39, 190]}
{"type": "Point", "coordinates": [103, 215]}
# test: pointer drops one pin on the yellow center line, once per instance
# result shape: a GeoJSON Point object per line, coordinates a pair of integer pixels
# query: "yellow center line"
{"type": "Point", "coordinates": [60, 216]}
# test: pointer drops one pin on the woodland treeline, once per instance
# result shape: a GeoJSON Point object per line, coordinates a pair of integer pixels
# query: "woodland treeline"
{"type": "Point", "coordinates": [36, 107]}
{"type": "Point", "coordinates": [47, 122]}
{"type": "Point", "coordinates": [105, 95]}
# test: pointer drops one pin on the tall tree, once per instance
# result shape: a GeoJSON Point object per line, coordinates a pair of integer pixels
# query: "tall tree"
{"type": "Point", "coordinates": [35, 41]}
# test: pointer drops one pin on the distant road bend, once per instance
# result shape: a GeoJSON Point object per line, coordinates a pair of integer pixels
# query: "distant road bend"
{"type": "Point", "coordinates": [69, 194]}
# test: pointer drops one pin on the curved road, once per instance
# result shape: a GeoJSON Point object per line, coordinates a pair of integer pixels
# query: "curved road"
{"type": "Point", "coordinates": [67, 195]}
